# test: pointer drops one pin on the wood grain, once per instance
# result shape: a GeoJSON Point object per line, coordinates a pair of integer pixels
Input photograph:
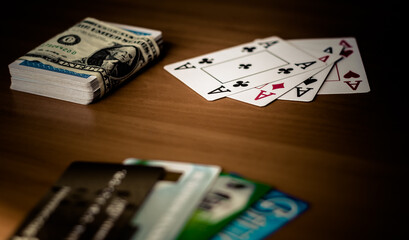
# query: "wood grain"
{"type": "Point", "coordinates": [344, 154]}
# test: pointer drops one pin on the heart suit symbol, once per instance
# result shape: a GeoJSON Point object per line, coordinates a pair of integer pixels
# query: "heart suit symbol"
{"type": "Point", "coordinates": [346, 53]}
{"type": "Point", "coordinates": [351, 74]}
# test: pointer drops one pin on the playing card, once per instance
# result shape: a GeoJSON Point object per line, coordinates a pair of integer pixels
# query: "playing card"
{"type": "Point", "coordinates": [266, 216]}
{"type": "Point", "coordinates": [265, 94]}
{"type": "Point", "coordinates": [232, 70]}
{"type": "Point", "coordinates": [172, 202]}
{"type": "Point", "coordinates": [91, 201]}
{"type": "Point", "coordinates": [228, 197]}
{"type": "Point", "coordinates": [348, 75]}
{"type": "Point", "coordinates": [308, 89]}
{"type": "Point", "coordinates": [324, 49]}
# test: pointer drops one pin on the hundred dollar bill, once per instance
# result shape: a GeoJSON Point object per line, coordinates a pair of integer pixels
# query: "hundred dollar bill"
{"type": "Point", "coordinates": [99, 49]}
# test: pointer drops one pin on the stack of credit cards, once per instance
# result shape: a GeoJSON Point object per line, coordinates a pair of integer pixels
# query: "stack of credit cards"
{"type": "Point", "coordinates": [264, 70]}
{"type": "Point", "coordinates": [156, 199]}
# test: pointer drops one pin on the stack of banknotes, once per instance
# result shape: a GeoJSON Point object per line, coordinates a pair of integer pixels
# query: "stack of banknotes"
{"type": "Point", "coordinates": [85, 62]}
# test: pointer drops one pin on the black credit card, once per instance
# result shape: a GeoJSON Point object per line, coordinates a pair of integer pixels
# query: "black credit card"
{"type": "Point", "coordinates": [91, 201]}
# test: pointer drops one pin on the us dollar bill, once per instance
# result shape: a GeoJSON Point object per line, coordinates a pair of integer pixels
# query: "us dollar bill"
{"type": "Point", "coordinates": [96, 48]}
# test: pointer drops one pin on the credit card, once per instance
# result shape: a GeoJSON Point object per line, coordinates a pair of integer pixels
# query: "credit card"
{"type": "Point", "coordinates": [264, 217]}
{"type": "Point", "coordinates": [228, 197]}
{"type": "Point", "coordinates": [91, 201]}
{"type": "Point", "coordinates": [174, 199]}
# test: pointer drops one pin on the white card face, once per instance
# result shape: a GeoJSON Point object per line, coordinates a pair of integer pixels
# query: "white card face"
{"type": "Point", "coordinates": [320, 49]}
{"type": "Point", "coordinates": [348, 75]}
{"type": "Point", "coordinates": [265, 94]}
{"type": "Point", "coordinates": [232, 70]}
{"type": "Point", "coordinates": [308, 89]}
{"type": "Point", "coordinates": [325, 49]}
{"type": "Point", "coordinates": [242, 67]}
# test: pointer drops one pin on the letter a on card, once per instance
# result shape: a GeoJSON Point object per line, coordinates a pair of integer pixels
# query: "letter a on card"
{"type": "Point", "coordinates": [263, 94]}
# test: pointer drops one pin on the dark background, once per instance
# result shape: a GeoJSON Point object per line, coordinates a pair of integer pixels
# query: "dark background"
{"type": "Point", "coordinates": [344, 154]}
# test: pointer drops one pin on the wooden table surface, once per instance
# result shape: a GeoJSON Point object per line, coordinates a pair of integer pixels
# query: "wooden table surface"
{"type": "Point", "coordinates": [341, 153]}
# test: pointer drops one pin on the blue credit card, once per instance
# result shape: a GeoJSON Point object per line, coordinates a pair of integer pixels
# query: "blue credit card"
{"type": "Point", "coordinates": [266, 216]}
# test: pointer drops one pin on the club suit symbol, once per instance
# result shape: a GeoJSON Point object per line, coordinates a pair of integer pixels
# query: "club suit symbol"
{"type": "Point", "coordinates": [241, 84]}
{"type": "Point", "coordinates": [285, 70]}
{"type": "Point", "coordinates": [248, 49]}
{"type": "Point", "coordinates": [245, 66]}
{"type": "Point", "coordinates": [206, 60]}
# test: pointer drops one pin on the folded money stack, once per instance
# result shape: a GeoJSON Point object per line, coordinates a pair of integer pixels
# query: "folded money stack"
{"type": "Point", "coordinates": [86, 61]}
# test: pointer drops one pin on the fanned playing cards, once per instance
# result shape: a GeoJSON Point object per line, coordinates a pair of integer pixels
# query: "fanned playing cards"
{"type": "Point", "coordinates": [264, 70]}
